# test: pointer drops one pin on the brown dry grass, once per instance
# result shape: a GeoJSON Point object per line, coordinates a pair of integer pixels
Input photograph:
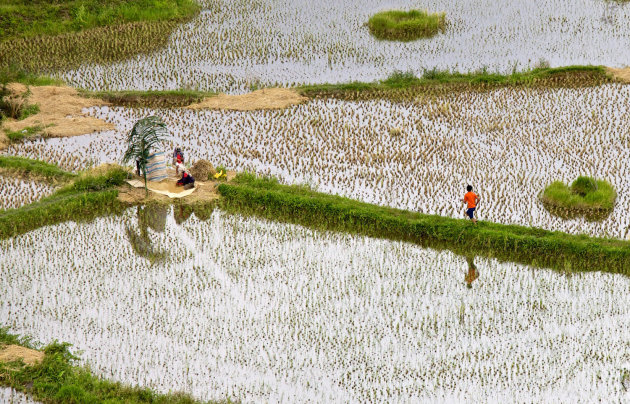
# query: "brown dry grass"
{"type": "Point", "coordinates": [60, 112]}
{"type": "Point", "coordinates": [12, 353]}
{"type": "Point", "coordinates": [269, 98]}
{"type": "Point", "coordinates": [621, 74]}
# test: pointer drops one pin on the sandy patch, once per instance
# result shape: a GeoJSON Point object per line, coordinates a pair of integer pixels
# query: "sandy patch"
{"type": "Point", "coordinates": [204, 191]}
{"type": "Point", "coordinates": [12, 353]}
{"type": "Point", "coordinates": [621, 74]}
{"type": "Point", "coordinates": [268, 98]}
{"type": "Point", "coordinates": [60, 112]}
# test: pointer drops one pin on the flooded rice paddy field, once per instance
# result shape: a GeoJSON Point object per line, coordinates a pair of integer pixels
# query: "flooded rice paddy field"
{"type": "Point", "coordinates": [234, 45]}
{"type": "Point", "coordinates": [16, 192]}
{"type": "Point", "coordinates": [509, 144]}
{"type": "Point", "coordinates": [263, 311]}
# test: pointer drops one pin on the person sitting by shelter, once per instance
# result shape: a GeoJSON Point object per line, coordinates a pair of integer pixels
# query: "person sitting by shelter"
{"type": "Point", "coordinates": [187, 181]}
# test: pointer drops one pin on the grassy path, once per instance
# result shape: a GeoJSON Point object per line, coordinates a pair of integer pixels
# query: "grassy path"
{"type": "Point", "coordinates": [526, 245]}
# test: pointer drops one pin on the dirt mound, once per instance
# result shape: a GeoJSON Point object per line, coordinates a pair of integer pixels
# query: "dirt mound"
{"type": "Point", "coordinates": [12, 353]}
{"type": "Point", "coordinates": [60, 111]}
{"type": "Point", "coordinates": [202, 170]}
{"type": "Point", "coordinates": [622, 74]}
{"type": "Point", "coordinates": [269, 98]}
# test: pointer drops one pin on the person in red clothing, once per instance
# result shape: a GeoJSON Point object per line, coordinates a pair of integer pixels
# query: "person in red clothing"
{"type": "Point", "coordinates": [471, 199]}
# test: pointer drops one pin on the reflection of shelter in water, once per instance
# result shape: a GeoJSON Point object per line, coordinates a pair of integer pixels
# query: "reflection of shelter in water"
{"type": "Point", "coordinates": [153, 216]}
{"type": "Point", "coordinates": [149, 216]}
{"type": "Point", "coordinates": [181, 213]}
{"type": "Point", "coordinates": [473, 273]}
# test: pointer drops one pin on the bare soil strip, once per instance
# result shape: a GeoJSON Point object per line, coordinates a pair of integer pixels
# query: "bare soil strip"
{"type": "Point", "coordinates": [268, 98]}
{"type": "Point", "coordinates": [60, 112]}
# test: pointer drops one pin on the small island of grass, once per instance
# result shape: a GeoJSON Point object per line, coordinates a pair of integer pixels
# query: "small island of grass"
{"type": "Point", "coordinates": [586, 196]}
{"type": "Point", "coordinates": [398, 25]}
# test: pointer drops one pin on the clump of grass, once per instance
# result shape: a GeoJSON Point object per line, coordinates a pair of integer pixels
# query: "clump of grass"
{"type": "Point", "coordinates": [585, 197]}
{"type": "Point", "coordinates": [399, 25]}
{"type": "Point", "coordinates": [27, 133]}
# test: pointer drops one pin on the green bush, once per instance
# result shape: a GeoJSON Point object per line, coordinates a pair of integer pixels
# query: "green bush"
{"type": "Point", "coordinates": [585, 197]}
{"type": "Point", "coordinates": [406, 25]}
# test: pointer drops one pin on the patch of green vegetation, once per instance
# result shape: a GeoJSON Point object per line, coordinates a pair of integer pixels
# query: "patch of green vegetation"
{"type": "Point", "coordinates": [41, 36]}
{"type": "Point", "coordinates": [13, 74]}
{"type": "Point", "coordinates": [28, 110]}
{"type": "Point", "coordinates": [90, 196]}
{"type": "Point", "coordinates": [25, 166]}
{"type": "Point", "coordinates": [27, 133]}
{"type": "Point", "coordinates": [399, 25]}
{"type": "Point", "coordinates": [150, 99]}
{"type": "Point", "coordinates": [585, 197]}
{"type": "Point", "coordinates": [405, 85]}
{"type": "Point", "coordinates": [532, 246]}
{"type": "Point", "coordinates": [59, 379]}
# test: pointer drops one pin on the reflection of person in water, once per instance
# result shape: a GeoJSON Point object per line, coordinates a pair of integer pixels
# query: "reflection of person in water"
{"type": "Point", "coordinates": [472, 272]}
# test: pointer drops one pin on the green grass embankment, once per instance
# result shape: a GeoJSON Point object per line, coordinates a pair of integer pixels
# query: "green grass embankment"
{"type": "Point", "coordinates": [58, 379]}
{"type": "Point", "coordinates": [404, 85]}
{"type": "Point", "coordinates": [531, 246]}
{"type": "Point", "coordinates": [90, 195]}
{"type": "Point", "coordinates": [35, 168]}
{"type": "Point", "coordinates": [41, 36]}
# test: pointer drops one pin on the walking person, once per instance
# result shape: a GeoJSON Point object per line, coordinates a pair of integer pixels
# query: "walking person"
{"type": "Point", "coordinates": [471, 199]}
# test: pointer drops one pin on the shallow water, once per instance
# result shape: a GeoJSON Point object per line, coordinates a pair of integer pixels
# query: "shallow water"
{"type": "Point", "coordinates": [11, 396]}
{"type": "Point", "coordinates": [16, 192]}
{"type": "Point", "coordinates": [263, 311]}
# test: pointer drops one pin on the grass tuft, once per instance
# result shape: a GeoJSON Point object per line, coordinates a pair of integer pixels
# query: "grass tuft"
{"type": "Point", "coordinates": [585, 197]}
{"type": "Point", "coordinates": [396, 25]}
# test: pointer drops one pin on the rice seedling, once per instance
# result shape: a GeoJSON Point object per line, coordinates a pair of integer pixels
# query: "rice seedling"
{"type": "Point", "coordinates": [284, 313]}
{"type": "Point", "coordinates": [16, 192]}
{"type": "Point", "coordinates": [235, 46]}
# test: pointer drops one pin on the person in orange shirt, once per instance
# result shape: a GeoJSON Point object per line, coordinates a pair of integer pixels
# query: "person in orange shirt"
{"type": "Point", "coordinates": [471, 199]}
